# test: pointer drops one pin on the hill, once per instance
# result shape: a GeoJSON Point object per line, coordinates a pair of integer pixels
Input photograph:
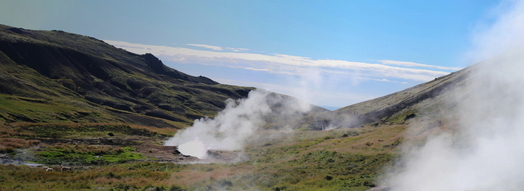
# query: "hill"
{"type": "Point", "coordinates": [428, 100]}
{"type": "Point", "coordinates": [55, 76]}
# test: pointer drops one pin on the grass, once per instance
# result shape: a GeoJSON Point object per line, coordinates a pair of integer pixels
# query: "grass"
{"type": "Point", "coordinates": [9, 145]}
{"type": "Point", "coordinates": [297, 160]}
{"type": "Point", "coordinates": [80, 130]}
{"type": "Point", "coordinates": [138, 176]}
{"type": "Point", "coordinates": [343, 159]}
{"type": "Point", "coordinates": [17, 108]}
{"type": "Point", "coordinates": [311, 160]}
{"type": "Point", "coordinates": [85, 154]}
{"type": "Point", "coordinates": [78, 144]}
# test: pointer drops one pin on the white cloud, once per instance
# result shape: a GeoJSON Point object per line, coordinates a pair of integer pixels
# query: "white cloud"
{"type": "Point", "coordinates": [206, 46]}
{"type": "Point", "coordinates": [380, 80]}
{"type": "Point", "coordinates": [218, 47]}
{"type": "Point", "coordinates": [237, 49]}
{"type": "Point", "coordinates": [280, 63]}
{"type": "Point", "coordinates": [413, 64]}
{"type": "Point", "coordinates": [256, 69]}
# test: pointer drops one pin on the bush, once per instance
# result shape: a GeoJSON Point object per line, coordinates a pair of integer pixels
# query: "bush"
{"type": "Point", "coordinates": [175, 188]}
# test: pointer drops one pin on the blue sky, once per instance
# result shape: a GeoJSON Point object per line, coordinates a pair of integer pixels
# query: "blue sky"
{"type": "Point", "coordinates": [330, 53]}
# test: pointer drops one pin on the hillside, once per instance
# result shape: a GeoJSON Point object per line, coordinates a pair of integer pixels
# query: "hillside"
{"type": "Point", "coordinates": [429, 100]}
{"type": "Point", "coordinates": [54, 76]}
{"type": "Point", "coordinates": [424, 99]}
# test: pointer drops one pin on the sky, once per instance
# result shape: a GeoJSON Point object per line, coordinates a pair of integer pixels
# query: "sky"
{"type": "Point", "coordinates": [329, 53]}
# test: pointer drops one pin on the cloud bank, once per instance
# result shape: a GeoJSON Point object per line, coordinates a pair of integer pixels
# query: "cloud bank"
{"type": "Point", "coordinates": [412, 64]}
{"type": "Point", "coordinates": [288, 64]}
{"type": "Point", "coordinates": [207, 46]}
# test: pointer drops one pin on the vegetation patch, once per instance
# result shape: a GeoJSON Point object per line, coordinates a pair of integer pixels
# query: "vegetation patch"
{"type": "Point", "coordinates": [9, 145]}
{"type": "Point", "coordinates": [136, 176]}
{"type": "Point", "coordinates": [85, 154]}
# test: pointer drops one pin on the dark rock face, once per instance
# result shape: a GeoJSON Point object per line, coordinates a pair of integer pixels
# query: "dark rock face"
{"type": "Point", "coordinates": [410, 116]}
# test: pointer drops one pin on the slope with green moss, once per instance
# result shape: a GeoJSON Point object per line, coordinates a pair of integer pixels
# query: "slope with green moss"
{"type": "Point", "coordinates": [54, 76]}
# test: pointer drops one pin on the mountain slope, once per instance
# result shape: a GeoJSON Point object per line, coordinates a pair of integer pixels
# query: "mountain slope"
{"type": "Point", "coordinates": [425, 97]}
{"type": "Point", "coordinates": [54, 76]}
{"type": "Point", "coordinates": [430, 99]}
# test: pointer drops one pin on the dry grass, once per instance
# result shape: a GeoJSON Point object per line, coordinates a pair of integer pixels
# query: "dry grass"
{"type": "Point", "coordinates": [120, 177]}
{"type": "Point", "coordinates": [11, 144]}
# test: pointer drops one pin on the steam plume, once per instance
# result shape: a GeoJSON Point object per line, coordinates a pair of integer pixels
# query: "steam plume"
{"type": "Point", "coordinates": [230, 129]}
{"type": "Point", "coordinates": [486, 151]}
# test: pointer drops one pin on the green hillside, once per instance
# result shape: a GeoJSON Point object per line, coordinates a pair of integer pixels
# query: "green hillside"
{"type": "Point", "coordinates": [74, 78]}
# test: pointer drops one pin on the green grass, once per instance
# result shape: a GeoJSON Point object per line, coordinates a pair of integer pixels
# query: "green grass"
{"type": "Point", "coordinates": [86, 154]}
{"type": "Point", "coordinates": [15, 108]}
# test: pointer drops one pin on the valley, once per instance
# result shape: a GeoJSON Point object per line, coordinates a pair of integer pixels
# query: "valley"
{"type": "Point", "coordinates": [103, 114]}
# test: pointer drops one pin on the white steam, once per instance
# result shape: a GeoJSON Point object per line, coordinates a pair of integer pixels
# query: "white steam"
{"type": "Point", "coordinates": [194, 148]}
{"type": "Point", "coordinates": [231, 128]}
{"type": "Point", "coordinates": [227, 131]}
{"type": "Point", "coordinates": [491, 39]}
{"type": "Point", "coordinates": [486, 151]}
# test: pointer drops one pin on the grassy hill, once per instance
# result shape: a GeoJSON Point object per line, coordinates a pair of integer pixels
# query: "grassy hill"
{"type": "Point", "coordinates": [74, 78]}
